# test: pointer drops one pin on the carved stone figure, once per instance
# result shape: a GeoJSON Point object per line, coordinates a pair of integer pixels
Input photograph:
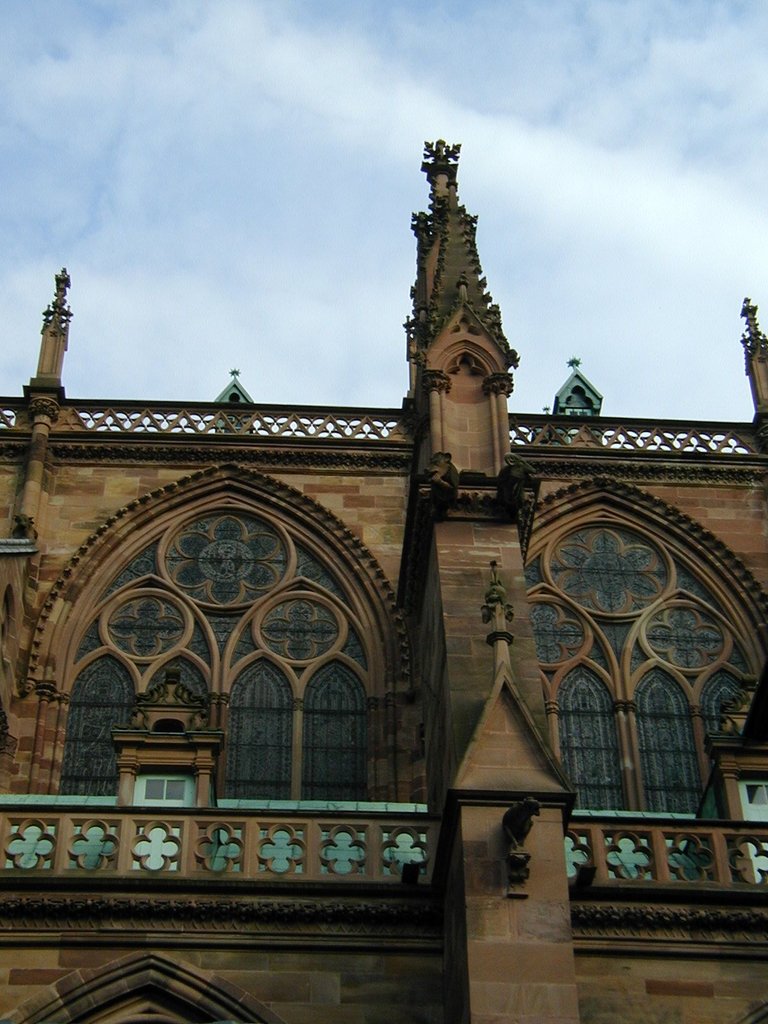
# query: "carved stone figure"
{"type": "Point", "coordinates": [513, 481]}
{"type": "Point", "coordinates": [517, 823]}
{"type": "Point", "coordinates": [444, 480]}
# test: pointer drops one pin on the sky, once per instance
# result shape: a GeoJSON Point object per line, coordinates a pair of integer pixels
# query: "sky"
{"type": "Point", "coordinates": [230, 184]}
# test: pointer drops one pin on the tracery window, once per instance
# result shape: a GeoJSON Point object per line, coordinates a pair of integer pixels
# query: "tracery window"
{"type": "Point", "coordinates": [638, 654]}
{"type": "Point", "coordinates": [249, 614]}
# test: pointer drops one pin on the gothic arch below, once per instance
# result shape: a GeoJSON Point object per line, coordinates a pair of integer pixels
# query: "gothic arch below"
{"type": "Point", "coordinates": [143, 987]}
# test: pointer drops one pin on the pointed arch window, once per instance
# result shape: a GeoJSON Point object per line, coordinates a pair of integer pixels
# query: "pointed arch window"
{"type": "Point", "coordinates": [629, 630]}
{"type": "Point", "coordinates": [335, 741]}
{"type": "Point", "coordinates": [102, 698]}
{"type": "Point", "coordinates": [588, 743]}
{"type": "Point", "coordinates": [667, 749]}
{"type": "Point", "coordinates": [253, 618]}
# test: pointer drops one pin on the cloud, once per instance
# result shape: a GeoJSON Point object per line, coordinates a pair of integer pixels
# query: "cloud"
{"type": "Point", "coordinates": [230, 184]}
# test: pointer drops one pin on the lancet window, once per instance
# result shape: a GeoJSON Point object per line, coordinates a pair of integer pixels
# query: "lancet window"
{"type": "Point", "coordinates": [251, 616]}
{"type": "Point", "coordinates": [638, 653]}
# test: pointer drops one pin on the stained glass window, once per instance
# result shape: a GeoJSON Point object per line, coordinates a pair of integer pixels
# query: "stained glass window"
{"type": "Point", "coordinates": [334, 746]}
{"type": "Point", "coordinates": [667, 749]}
{"type": "Point", "coordinates": [260, 733]}
{"type": "Point", "coordinates": [102, 698]}
{"type": "Point", "coordinates": [609, 597]}
{"type": "Point", "coordinates": [226, 588]}
{"type": "Point", "coordinates": [588, 743]}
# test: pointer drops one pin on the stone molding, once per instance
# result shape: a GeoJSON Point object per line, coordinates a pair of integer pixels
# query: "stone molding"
{"type": "Point", "coordinates": [217, 915]}
{"type": "Point", "coordinates": [713, 923]}
{"type": "Point", "coordinates": [639, 466]}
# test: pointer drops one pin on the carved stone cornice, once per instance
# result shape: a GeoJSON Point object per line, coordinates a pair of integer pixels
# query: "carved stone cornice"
{"type": "Point", "coordinates": [43, 407]}
{"type": "Point", "coordinates": [593, 920]}
{"type": "Point", "coordinates": [189, 912]}
{"type": "Point", "coordinates": [435, 380]}
{"type": "Point", "coordinates": [257, 457]}
{"type": "Point", "coordinates": [640, 466]}
{"type": "Point", "coordinates": [498, 384]}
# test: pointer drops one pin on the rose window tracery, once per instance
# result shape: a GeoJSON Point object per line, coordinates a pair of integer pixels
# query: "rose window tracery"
{"type": "Point", "coordinates": [226, 559]}
{"type": "Point", "coordinates": [146, 626]}
{"type": "Point", "coordinates": [300, 629]}
{"type": "Point", "coordinates": [675, 661]}
{"type": "Point", "coordinates": [248, 613]}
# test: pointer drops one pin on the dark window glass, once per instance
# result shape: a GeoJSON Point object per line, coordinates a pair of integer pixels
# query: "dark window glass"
{"type": "Point", "coordinates": [102, 698]}
{"type": "Point", "coordinates": [667, 750]}
{"type": "Point", "coordinates": [588, 742]}
{"type": "Point", "coordinates": [260, 734]}
{"type": "Point", "coordinates": [335, 736]}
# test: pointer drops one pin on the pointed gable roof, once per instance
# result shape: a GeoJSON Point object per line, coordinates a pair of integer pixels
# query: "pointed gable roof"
{"type": "Point", "coordinates": [578, 395]}
{"type": "Point", "coordinates": [234, 391]}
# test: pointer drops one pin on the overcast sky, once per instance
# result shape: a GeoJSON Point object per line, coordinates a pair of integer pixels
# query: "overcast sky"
{"type": "Point", "coordinates": [230, 184]}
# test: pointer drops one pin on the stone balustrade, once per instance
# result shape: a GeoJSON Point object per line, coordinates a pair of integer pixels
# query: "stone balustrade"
{"type": "Point", "coordinates": [197, 843]}
{"type": "Point", "coordinates": [623, 849]}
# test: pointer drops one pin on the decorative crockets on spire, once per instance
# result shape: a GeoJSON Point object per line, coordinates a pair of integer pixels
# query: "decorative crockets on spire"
{"type": "Point", "coordinates": [456, 347]}
{"type": "Point", "coordinates": [55, 334]}
{"type": "Point", "coordinates": [756, 358]}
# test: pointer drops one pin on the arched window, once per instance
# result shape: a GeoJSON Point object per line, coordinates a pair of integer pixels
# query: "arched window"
{"type": "Point", "coordinates": [588, 743]}
{"type": "Point", "coordinates": [334, 736]}
{"type": "Point", "coordinates": [259, 737]}
{"type": "Point", "coordinates": [253, 618]}
{"type": "Point", "coordinates": [102, 698]}
{"type": "Point", "coordinates": [628, 627]}
{"type": "Point", "coordinates": [667, 750]}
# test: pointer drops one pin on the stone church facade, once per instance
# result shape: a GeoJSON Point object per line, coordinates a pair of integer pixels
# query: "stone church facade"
{"type": "Point", "coordinates": [434, 714]}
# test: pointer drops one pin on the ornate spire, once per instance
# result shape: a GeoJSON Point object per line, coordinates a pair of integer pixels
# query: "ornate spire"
{"type": "Point", "coordinates": [55, 333]}
{"type": "Point", "coordinates": [756, 358]}
{"type": "Point", "coordinates": [449, 274]}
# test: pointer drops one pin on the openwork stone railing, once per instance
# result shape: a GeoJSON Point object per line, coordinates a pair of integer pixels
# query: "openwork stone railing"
{"type": "Point", "coordinates": [623, 851]}
{"type": "Point", "coordinates": [197, 843]}
{"type": "Point", "coordinates": [207, 418]}
{"type": "Point", "coordinates": [631, 435]}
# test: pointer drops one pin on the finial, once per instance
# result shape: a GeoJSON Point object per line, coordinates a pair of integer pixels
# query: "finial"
{"type": "Point", "coordinates": [574, 362]}
{"type": "Point", "coordinates": [234, 373]}
{"type": "Point", "coordinates": [440, 159]}
{"type": "Point", "coordinates": [58, 313]}
{"type": "Point", "coordinates": [752, 339]}
{"type": "Point", "coordinates": [496, 598]}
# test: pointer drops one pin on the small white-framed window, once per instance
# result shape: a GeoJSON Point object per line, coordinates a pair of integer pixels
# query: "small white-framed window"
{"type": "Point", "coordinates": [168, 790]}
{"type": "Point", "coordinates": [754, 799]}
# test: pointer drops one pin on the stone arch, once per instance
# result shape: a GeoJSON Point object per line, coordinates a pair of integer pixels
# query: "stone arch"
{"type": "Point", "coordinates": [139, 987]}
{"type": "Point", "coordinates": [79, 593]}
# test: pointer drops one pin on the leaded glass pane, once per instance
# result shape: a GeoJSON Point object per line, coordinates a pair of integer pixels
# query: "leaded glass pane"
{"type": "Point", "coordinates": [687, 581]}
{"type": "Point", "coordinates": [144, 627]}
{"type": "Point", "coordinates": [533, 573]}
{"type": "Point", "coordinates": [616, 634]}
{"type": "Point", "coordinates": [198, 644]}
{"type": "Point", "coordinates": [718, 690]}
{"type": "Point", "coordinates": [144, 564]}
{"type": "Point", "coordinates": [300, 629]}
{"type": "Point", "coordinates": [667, 749]}
{"type": "Point", "coordinates": [335, 736]}
{"type": "Point", "coordinates": [311, 569]}
{"type": "Point", "coordinates": [354, 649]}
{"type": "Point", "coordinates": [90, 642]}
{"type": "Point", "coordinates": [260, 734]}
{"type": "Point", "coordinates": [557, 636]}
{"type": "Point", "coordinates": [685, 637]}
{"type": "Point", "coordinates": [588, 742]}
{"type": "Point", "coordinates": [222, 626]}
{"type": "Point", "coordinates": [102, 698]}
{"type": "Point", "coordinates": [226, 559]}
{"type": "Point", "coordinates": [609, 569]}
